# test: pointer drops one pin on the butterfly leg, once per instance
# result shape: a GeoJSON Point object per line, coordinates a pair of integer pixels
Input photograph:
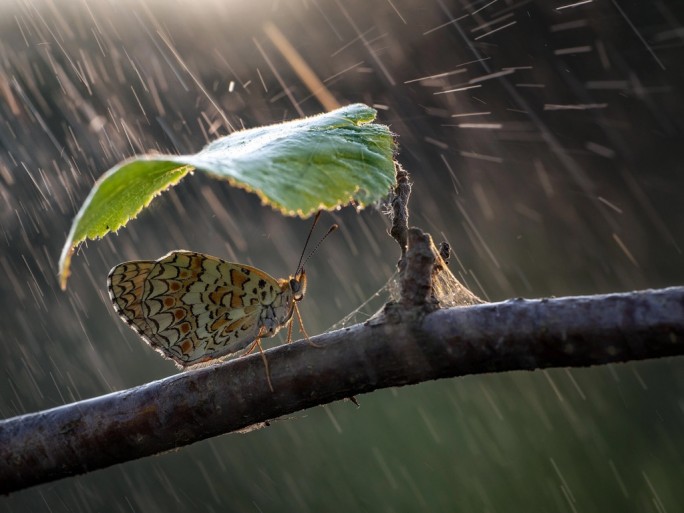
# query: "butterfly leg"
{"type": "Point", "coordinates": [301, 328]}
{"type": "Point", "coordinates": [252, 347]}
{"type": "Point", "coordinates": [255, 344]}
{"type": "Point", "coordinates": [289, 329]}
{"type": "Point", "coordinates": [263, 358]}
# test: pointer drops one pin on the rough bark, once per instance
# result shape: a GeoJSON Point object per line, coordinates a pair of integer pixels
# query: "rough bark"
{"type": "Point", "coordinates": [185, 408]}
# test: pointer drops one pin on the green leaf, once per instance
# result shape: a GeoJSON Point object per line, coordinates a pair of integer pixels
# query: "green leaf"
{"type": "Point", "coordinates": [118, 196]}
{"type": "Point", "coordinates": [297, 167]}
{"type": "Point", "coordinates": [303, 166]}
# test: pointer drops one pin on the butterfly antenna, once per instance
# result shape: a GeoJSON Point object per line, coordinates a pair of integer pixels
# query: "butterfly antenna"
{"type": "Point", "coordinates": [330, 230]}
{"type": "Point", "coordinates": [302, 260]}
{"type": "Point", "coordinates": [306, 243]}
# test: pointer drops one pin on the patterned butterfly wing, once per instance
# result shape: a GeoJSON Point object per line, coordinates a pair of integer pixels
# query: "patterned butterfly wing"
{"type": "Point", "coordinates": [126, 283]}
{"type": "Point", "coordinates": [193, 307]}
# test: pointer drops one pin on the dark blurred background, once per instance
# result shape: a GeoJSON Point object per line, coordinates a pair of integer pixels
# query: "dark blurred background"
{"type": "Point", "coordinates": [560, 174]}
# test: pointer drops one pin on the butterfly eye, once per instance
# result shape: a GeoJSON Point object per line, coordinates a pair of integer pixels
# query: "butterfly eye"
{"type": "Point", "coordinates": [298, 286]}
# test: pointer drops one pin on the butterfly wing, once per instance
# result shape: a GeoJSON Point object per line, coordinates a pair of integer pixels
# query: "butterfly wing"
{"type": "Point", "coordinates": [126, 283]}
{"type": "Point", "coordinates": [193, 307]}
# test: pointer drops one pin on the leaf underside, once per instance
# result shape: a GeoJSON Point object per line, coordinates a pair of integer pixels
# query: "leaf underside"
{"type": "Point", "coordinates": [297, 167]}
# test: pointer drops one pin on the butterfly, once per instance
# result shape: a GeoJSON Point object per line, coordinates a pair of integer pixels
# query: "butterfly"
{"type": "Point", "coordinates": [193, 308]}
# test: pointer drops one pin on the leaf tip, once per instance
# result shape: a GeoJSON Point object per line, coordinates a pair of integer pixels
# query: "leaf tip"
{"type": "Point", "coordinates": [64, 265]}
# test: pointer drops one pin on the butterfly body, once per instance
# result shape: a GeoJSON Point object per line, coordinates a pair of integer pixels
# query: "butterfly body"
{"type": "Point", "coordinates": [193, 308]}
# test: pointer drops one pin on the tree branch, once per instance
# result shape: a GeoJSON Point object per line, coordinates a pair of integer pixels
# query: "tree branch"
{"type": "Point", "coordinates": [185, 408]}
{"type": "Point", "coordinates": [412, 341]}
{"type": "Point", "coordinates": [399, 213]}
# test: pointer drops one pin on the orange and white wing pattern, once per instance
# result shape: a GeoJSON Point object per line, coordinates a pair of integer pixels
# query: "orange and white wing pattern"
{"type": "Point", "coordinates": [193, 308]}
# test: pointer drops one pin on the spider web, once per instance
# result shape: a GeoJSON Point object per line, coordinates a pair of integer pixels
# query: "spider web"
{"type": "Point", "coordinates": [446, 288]}
{"type": "Point", "coordinates": [372, 306]}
